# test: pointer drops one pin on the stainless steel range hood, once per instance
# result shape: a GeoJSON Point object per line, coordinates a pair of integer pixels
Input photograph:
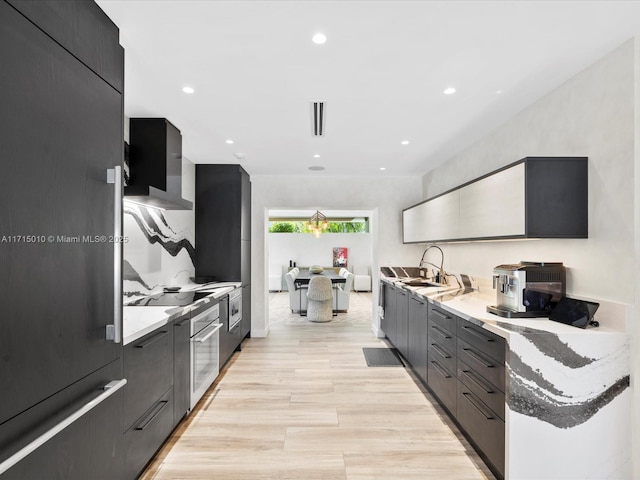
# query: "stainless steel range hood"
{"type": "Point", "coordinates": [155, 164]}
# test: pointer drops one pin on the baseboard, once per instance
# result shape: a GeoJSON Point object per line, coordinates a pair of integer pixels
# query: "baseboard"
{"type": "Point", "coordinates": [255, 333]}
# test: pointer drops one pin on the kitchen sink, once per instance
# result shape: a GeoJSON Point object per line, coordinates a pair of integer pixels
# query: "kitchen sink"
{"type": "Point", "coordinates": [420, 282]}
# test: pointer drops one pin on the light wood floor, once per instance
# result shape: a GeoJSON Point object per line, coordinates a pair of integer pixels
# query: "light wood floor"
{"type": "Point", "coordinates": [302, 404]}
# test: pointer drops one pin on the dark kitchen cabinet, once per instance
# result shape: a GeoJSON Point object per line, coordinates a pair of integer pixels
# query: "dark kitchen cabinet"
{"type": "Point", "coordinates": [148, 396]}
{"type": "Point", "coordinates": [223, 227]}
{"type": "Point", "coordinates": [222, 221]}
{"type": "Point", "coordinates": [481, 386]}
{"type": "Point", "coordinates": [402, 321]}
{"type": "Point", "coordinates": [88, 448]}
{"type": "Point", "coordinates": [227, 340]}
{"type": "Point", "coordinates": [246, 310]}
{"type": "Point", "coordinates": [388, 322]}
{"type": "Point", "coordinates": [147, 435]}
{"type": "Point", "coordinates": [536, 197]}
{"type": "Point", "coordinates": [181, 367]}
{"type": "Point", "coordinates": [417, 335]}
{"type": "Point", "coordinates": [61, 125]}
{"type": "Point", "coordinates": [441, 356]}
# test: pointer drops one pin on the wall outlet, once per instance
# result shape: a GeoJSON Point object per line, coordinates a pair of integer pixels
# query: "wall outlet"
{"type": "Point", "coordinates": [422, 274]}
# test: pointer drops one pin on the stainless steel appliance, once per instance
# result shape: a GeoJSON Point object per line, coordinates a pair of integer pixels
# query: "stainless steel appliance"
{"type": "Point", "coordinates": [235, 308]}
{"type": "Point", "coordinates": [528, 289]}
{"type": "Point", "coordinates": [205, 348]}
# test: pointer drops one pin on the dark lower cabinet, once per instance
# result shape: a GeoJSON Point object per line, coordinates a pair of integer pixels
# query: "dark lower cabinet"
{"type": "Point", "coordinates": [484, 427]}
{"type": "Point", "coordinates": [402, 321]}
{"type": "Point", "coordinates": [149, 415]}
{"type": "Point", "coordinates": [417, 333]}
{"type": "Point", "coordinates": [246, 310]}
{"type": "Point", "coordinates": [181, 367]}
{"type": "Point", "coordinates": [229, 339]}
{"type": "Point", "coordinates": [89, 448]}
{"type": "Point", "coordinates": [147, 434]}
{"type": "Point", "coordinates": [388, 323]}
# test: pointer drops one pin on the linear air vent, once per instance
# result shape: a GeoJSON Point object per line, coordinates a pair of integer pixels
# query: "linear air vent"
{"type": "Point", "coordinates": [318, 116]}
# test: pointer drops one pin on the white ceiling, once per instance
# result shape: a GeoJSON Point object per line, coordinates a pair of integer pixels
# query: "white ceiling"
{"type": "Point", "coordinates": [382, 72]}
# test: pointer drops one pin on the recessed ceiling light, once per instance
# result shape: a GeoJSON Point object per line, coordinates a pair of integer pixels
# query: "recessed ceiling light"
{"type": "Point", "coordinates": [382, 169]}
{"type": "Point", "coordinates": [229, 142]}
{"type": "Point", "coordinates": [498, 92]}
{"type": "Point", "coordinates": [316, 156]}
{"type": "Point", "coordinates": [188, 89]}
{"type": "Point", "coordinates": [239, 156]}
{"type": "Point", "coordinates": [449, 91]}
{"type": "Point", "coordinates": [319, 38]}
{"type": "Point", "coordinates": [404, 142]}
{"type": "Point", "coordinates": [316, 168]}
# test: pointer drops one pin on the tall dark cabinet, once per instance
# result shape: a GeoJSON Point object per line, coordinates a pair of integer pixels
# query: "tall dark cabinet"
{"type": "Point", "coordinates": [61, 128]}
{"type": "Point", "coordinates": [223, 229]}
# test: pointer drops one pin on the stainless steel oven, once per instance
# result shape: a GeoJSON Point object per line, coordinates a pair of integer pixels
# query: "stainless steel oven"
{"type": "Point", "coordinates": [205, 346]}
{"type": "Point", "coordinates": [235, 308]}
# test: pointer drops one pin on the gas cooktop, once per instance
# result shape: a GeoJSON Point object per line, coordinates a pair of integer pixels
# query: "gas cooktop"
{"type": "Point", "coordinates": [177, 299]}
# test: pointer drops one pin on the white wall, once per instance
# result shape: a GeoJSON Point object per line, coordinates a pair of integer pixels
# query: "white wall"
{"type": "Point", "coordinates": [590, 115]}
{"type": "Point", "coordinates": [595, 114]}
{"type": "Point", "coordinates": [384, 196]}
{"type": "Point", "coordinates": [307, 250]}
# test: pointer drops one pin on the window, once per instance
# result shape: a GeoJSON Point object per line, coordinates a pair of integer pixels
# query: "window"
{"type": "Point", "coordinates": [336, 225]}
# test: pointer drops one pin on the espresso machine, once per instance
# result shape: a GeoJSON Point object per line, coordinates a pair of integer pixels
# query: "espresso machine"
{"type": "Point", "coordinates": [528, 289]}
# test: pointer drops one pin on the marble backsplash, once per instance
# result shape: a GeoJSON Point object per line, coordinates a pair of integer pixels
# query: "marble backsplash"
{"type": "Point", "coordinates": [159, 251]}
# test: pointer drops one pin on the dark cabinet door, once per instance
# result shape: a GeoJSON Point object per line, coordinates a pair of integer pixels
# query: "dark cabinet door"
{"type": "Point", "coordinates": [390, 320]}
{"type": "Point", "coordinates": [181, 367]}
{"type": "Point", "coordinates": [60, 130]}
{"type": "Point", "coordinates": [417, 342]}
{"type": "Point", "coordinates": [245, 210]}
{"type": "Point", "coordinates": [89, 448]}
{"type": "Point", "coordinates": [226, 341]}
{"type": "Point", "coordinates": [246, 310]}
{"type": "Point", "coordinates": [402, 315]}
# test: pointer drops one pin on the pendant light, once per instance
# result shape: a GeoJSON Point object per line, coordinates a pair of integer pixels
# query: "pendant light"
{"type": "Point", "coordinates": [317, 223]}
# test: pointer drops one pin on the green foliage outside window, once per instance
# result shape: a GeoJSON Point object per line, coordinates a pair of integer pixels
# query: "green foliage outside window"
{"type": "Point", "coordinates": [334, 227]}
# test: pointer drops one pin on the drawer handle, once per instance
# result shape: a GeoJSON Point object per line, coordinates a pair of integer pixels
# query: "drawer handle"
{"type": "Point", "coordinates": [441, 332]}
{"type": "Point", "coordinates": [440, 370]}
{"type": "Point", "coordinates": [469, 398]}
{"type": "Point", "coordinates": [417, 300]}
{"type": "Point", "coordinates": [478, 358]}
{"type": "Point", "coordinates": [153, 339]}
{"type": "Point", "coordinates": [108, 390]}
{"type": "Point", "coordinates": [216, 327]}
{"type": "Point", "coordinates": [473, 331]}
{"type": "Point", "coordinates": [183, 322]}
{"type": "Point", "coordinates": [439, 351]}
{"type": "Point", "coordinates": [471, 376]}
{"type": "Point", "coordinates": [440, 314]}
{"type": "Point", "coordinates": [159, 407]}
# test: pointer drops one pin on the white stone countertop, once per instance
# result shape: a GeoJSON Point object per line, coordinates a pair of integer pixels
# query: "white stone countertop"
{"type": "Point", "coordinates": [472, 306]}
{"type": "Point", "coordinates": [137, 321]}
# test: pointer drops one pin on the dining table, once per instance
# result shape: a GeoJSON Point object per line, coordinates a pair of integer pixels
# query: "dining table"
{"type": "Point", "coordinates": [302, 283]}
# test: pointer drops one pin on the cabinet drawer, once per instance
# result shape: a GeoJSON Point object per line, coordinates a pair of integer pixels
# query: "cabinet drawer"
{"type": "Point", "coordinates": [482, 425]}
{"type": "Point", "coordinates": [443, 319]}
{"type": "Point", "coordinates": [443, 356]}
{"type": "Point", "coordinates": [147, 435]}
{"type": "Point", "coordinates": [442, 383]}
{"type": "Point", "coordinates": [443, 337]}
{"type": "Point", "coordinates": [482, 389]}
{"type": "Point", "coordinates": [148, 368]}
{"type": "Point", "coordinates": [486, 342]}
{"type": "Point", "coordinates": [482, 364]}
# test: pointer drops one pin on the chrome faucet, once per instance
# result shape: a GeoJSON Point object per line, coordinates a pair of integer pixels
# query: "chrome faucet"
{"type": "Point", "coordinates": [440, 276]}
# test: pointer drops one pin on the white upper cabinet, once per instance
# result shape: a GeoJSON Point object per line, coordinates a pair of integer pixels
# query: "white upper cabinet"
{"type": "Point", "coordinates": [436, 219]}
{"type": "Point", "coordinates": [494, 206]}
{"type": "Point", "coordinates": [536, 197]}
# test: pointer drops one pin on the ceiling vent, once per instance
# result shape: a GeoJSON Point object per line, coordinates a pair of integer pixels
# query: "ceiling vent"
{"type": "Point", "coordinates": [318, 116]}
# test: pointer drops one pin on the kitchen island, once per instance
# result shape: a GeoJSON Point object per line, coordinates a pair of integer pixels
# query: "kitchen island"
{"type": "Point", "coordinates": [534, 396]}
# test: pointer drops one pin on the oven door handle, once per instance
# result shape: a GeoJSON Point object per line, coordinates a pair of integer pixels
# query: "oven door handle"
{"type": "Point", "coordinates": [206, 337]}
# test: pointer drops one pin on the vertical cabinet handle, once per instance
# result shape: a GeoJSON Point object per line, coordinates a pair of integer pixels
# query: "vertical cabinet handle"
{"type": "Point", "coordinates": [114, 176]}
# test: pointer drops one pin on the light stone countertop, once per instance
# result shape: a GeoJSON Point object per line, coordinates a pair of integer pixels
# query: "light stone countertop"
{"type": "Point", "coordinates": [138, 321]}
{"type": "Point", "coordinates": [472, 306]}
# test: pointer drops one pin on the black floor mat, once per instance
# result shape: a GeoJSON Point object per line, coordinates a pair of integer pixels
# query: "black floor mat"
{"type": "Point", "coordinates": [382, 357]}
